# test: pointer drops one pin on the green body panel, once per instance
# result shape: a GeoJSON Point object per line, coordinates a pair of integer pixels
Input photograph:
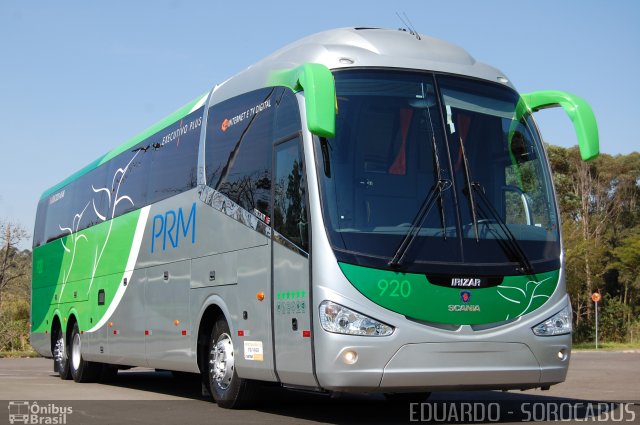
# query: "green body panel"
{"type": "Point", "coordinates": [414, 296]}
{"type": "Point", "coordinates": [177, 115]}
{"type": "Point", "coordinates": [72, 269]}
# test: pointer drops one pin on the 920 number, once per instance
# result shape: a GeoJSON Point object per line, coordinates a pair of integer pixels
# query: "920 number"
{"type": "Point", "coordinates": [394, 288]}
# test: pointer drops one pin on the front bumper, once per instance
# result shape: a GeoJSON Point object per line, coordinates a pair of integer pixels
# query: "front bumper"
{"type": "Point", "coordinates": [444, 366]}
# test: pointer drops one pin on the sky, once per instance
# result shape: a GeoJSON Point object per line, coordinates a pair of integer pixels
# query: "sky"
{"type": "Point", "coordinates": [78, 78]}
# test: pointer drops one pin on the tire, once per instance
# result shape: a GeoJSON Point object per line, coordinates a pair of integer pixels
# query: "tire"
{"type": "Point", "coordinates": [81, 370]}
{"type": "Point", "coordinates": [60, 356]}
{"type": "Point", "coordinates": [227, 388]}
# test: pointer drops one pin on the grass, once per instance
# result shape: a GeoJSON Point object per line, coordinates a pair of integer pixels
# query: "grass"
{"type": "Point", "coordinates": [607, 346]}
{"type": "Point", "coordinates": [17, 354]}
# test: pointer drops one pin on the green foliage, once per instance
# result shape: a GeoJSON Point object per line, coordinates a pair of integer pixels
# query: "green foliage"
{"type": "Point", "coordinates": [613, 325]}
{"type": "Point", "coordinates": [15, 289]}
{"type": "Point", "coordinates": [599, 203]}
{"type": "Point", "coordinates": [14, 325]}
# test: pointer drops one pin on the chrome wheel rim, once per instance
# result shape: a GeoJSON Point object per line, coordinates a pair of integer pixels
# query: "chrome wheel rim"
{"type": "Point", "coordinates": [58, 351]}
{"type": "Point", "coordinates": [221, 362]}
{"type": "Point", "coordinates": [76, 345]}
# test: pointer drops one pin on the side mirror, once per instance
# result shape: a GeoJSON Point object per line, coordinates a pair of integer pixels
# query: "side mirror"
{"type": "Point", "coordinates": [319, 93]}
{"type": "Point", "coordinates": [578, 110]}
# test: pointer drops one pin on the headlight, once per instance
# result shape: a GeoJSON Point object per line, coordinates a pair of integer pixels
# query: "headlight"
{"type": "Point", "coordinates": [558, 324]}
{"type": "Point", "coordinates": [339, 319]}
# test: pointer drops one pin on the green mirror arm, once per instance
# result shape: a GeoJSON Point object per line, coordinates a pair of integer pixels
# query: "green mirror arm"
{"type": "Point", "coordinates": [579, 112]}
{"type": "Point", "coordinates": [319, 95]}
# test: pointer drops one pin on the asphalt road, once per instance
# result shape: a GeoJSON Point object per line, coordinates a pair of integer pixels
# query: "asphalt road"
{"type": "Point", "coordinates": [143, 396]}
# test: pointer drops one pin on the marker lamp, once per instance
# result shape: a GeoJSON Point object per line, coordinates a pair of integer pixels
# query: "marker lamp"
{"type": "Point", "coordinates": [558, 324]}
{"type": "Point", "coordinates": [340, 319]}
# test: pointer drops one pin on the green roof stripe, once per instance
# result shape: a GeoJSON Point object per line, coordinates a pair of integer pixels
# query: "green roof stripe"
{"type": "Point", "coordinates": [177, 115]}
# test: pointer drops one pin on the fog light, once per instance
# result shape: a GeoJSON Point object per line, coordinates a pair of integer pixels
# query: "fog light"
{"type": "Point", "coordinates": [562, 354]}
{"type": "Point", "coordinates": [349, 357]}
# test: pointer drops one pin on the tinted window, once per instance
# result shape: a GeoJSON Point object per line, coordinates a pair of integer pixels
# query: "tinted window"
{"type": "Point", "coordinates": [238, 150]}
{"type": "Point", "coordinates": [59, 217]}
{"type": "Point", "coordinates": [287, 115]}
{"type": "Point", "coordinates": [289, 205]}
{"type": "Point", "coordinates": [162, 165]}
{"type": "Point", "coordinates": [39, 228]}
{"type": "Point", "coordinates": [127, 180]}
{"type": "Point", "coordinates": [174, 156]}
{"type": "Point", "coordinates": [91, 188]}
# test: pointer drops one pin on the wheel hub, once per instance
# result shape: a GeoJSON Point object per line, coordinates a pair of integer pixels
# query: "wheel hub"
{"type": "Point", "coordinates": [58, 350]}
{"type": "Point", "coordinates": [221, 361]}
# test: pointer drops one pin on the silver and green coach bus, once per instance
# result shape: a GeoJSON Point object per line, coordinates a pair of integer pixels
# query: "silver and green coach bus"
{"type": "Point", "coordinates": [365, 210]}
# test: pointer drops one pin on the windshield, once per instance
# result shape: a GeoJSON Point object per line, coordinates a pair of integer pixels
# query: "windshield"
{"type": "Point", "coordinates": [427, 171]}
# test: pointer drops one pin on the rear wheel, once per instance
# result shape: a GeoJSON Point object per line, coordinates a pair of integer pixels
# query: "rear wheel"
{"type": "Point", "coordinates": [60, 356]}
{"type": "Point", "coordinates": [81, 370]}
{"type": "Point", "coordinates": [227, 388]}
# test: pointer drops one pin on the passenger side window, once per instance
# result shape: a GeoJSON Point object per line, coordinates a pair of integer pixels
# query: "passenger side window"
{"type": "Point", "coordinates": [127, 181]}
{"type": "Point", "coordinates": [238, 150]}
{"type": "Point", "coordinates": [174, 158]}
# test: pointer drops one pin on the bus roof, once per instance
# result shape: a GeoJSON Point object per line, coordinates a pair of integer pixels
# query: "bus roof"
{"type": "Point", "coordinates": [360, 47]}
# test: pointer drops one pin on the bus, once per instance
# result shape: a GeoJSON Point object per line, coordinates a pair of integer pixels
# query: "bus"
{"type": "Point", "coordinates": [364, 210]}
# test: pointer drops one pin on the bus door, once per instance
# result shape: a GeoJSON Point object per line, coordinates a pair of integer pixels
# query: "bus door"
{"type": "Point", "coordinates": [291, 309]}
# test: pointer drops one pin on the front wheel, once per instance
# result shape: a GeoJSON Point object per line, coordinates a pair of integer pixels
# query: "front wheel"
{"type": "Point", "coordinates": [81, 370]}
{"type": "Point", "coordinates": [228, 389]}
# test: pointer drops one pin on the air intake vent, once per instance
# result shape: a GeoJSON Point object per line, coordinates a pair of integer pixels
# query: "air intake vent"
{"type": "Point", "coordinates": [486, 326]}
{"type": "Point", "coordinates": [441, 326]}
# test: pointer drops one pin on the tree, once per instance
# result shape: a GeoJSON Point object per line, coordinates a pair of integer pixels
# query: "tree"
{"type": "Point", "coordinates": [628, 265]}
{"type": "Point", "coordinates": [11, 234]}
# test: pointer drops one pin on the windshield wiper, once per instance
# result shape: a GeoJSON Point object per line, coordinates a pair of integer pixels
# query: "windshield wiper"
{"type": "Point", "coordinates": [511, 242]}
{"type": "Point", "coordinates": [472, 203]}
{"type": "Point", "coordinates": [441, 184]}
{"type": "Point", "coordinates": [434, 193]}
